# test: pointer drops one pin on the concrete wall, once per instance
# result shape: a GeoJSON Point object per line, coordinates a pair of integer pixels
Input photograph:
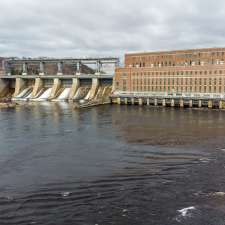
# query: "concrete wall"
{"type": "Point", "coordinates": [19, 86]}
{"type": "Point", "coordinates": [94, 88]}
{"type": "Point", "coordinates": [4, 87]}
{"type": "Point", "coordinates": [74, 88]}
{"type": "Point", "coordinates": [37, 86]}
{"type": "Point", "coordinates": [56, 86]}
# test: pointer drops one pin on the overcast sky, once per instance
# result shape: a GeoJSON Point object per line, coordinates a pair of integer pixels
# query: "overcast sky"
{"type": "Point", "coordinates": [108, 27]}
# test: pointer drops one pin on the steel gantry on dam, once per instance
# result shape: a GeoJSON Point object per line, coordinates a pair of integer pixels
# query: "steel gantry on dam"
{"type": "Point", "coordinates": [61, 66]}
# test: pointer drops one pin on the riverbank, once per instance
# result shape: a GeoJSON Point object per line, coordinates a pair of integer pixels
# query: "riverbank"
{"type": "Point", "coordinates": [7, 103]}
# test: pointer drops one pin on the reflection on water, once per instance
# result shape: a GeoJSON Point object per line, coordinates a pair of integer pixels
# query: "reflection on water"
{"type": "Point", "coordinates": [111, 165]}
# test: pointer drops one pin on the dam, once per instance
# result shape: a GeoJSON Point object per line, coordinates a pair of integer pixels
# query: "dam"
{"type": "Point", "coordinates": [58, 79]}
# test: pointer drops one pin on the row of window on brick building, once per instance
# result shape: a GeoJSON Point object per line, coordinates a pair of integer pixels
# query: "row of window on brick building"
{"type": "Point", "coordinates": [189, 63]}
{"type": "Point", "coordinates": [201, 89]}
{"type": "Point", "coordinates": [181, 84]}
{"type": "Point", "coordinates": [209, 72]}
{"type": "Point", "coordinates": [206, 54]}
{"type": "Point", "coordinates": [200, 58]}
{"type": "Point", "coordinates": [179, 81]}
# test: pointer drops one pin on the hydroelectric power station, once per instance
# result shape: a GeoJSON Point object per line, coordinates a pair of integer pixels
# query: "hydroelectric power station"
{"type": "Point", "coordinates": [183, 78]}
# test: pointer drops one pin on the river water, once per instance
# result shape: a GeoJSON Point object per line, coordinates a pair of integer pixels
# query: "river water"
{"type": "Point", "coordinates": [111, 165]}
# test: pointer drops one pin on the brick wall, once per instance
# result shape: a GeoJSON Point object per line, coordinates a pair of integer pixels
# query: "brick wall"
{"type": "Point", "coordinates": [180, 78]}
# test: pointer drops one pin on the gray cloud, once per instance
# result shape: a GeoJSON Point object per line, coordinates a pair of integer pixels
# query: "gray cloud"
{"type": "Point", "coordinates": [102, 27]}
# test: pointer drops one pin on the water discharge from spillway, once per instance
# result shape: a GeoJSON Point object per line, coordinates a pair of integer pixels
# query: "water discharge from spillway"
{"type": "Point", "coordinates": [44, 96]}
{"type": "Point", "coordinates": [82, 92]}
{"type": "Point", "coordinates": [64, 95]}
{"type": "Point", "coordinates": [103, 92]}
{"type": "Point", "coordinates": [24, 94]}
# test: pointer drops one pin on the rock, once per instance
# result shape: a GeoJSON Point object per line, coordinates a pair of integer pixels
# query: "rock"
{"type": "Point", "coordinates": [4, 105]}
{"type": "Point", "coordinates": [218, 194]}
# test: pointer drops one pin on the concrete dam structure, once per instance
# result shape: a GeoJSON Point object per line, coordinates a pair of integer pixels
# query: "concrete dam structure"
{"type": "Point", "coordinates": [74, 80]}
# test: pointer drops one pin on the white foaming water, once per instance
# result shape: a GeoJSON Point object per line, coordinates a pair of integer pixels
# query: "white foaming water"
{"type": "Point", "coordinates": [64, 95]}
{"type": "Point", "coordinates": [184, 212]}
{"type": "Point", "coordinates": [28, 96]}
{"type": "Point", "coordinates": [45, 95]}
{"type": "Point", "coordinates": [23, 93]}
{"type": "Point", "coordinates": [88, 95]}
{"type": "Point", "coordinates": [65, 194]}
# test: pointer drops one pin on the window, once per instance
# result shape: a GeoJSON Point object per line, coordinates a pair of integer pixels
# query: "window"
{"type": "Point", "coordinates": [124, 85]}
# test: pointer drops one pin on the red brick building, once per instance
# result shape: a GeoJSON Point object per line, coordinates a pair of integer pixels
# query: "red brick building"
{"type": "Point", "coordinates": [183, 71]}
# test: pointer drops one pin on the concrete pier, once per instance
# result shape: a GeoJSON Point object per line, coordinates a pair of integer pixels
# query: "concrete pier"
{"type": "Point", "coordinates": [172, 103]}
{"type": "Point", "coordinates": [19, 86]}
{"type": "Point", "coordinates": [4, 86]}
{"type": "Point", "coordinates": [38, 85]}
{"type": "Point", "coordinates": [41, 69]}
{"type": "Point", "coordinates": [210, 104]}
{"type": "Point", "coordinates": [74, 88]}
{"type": "Point", "coordinates": [221, 105]}
{"type": "Point", "coordinates": [55, 88]}
{"type": "Point", "coordinates": [60, 68]}
{"type": "Point", "coordinates": [181, 103]}
{"type": "Point", "coordinates": [94, 87]}
{"type": "Point", "coordinates": [140, 101]}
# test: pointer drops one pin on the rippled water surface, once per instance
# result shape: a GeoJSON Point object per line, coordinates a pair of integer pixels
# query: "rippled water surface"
{"type": "Point", "coordinates": [111, 165]}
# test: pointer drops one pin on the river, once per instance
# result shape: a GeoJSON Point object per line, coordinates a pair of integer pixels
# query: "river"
{"type": "Point", "coordinates": [111, 165]}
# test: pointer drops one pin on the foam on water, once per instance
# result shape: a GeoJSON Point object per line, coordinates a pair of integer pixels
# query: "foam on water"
{"type": "Point", "coordinates": [186, 211]}
{"type": "Point", "coordinates": [65, 194]}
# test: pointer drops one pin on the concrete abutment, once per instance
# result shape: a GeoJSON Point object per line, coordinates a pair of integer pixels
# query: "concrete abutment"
{"type": "Point", "coordinates": [181, 103]}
